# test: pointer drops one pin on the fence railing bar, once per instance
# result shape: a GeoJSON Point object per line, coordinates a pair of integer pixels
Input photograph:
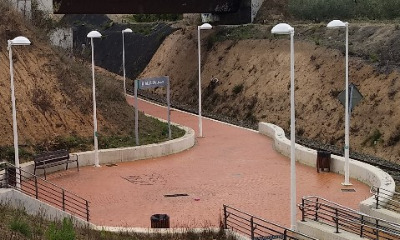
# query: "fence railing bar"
{"type": "Point", "coordinates": [47, 192]}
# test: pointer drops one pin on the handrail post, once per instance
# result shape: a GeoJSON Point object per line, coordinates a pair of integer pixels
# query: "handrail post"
{"type": "Point", "coordinates": [377, 198]}
{"type": "Point", "coordinates": [377, 228]}
{"type": "Point", "coordinates": [285, 234]}
{"type": "Point", "coordinates": [362, 226]}
{"type": "Point", "coordinates": [36, 188]}
{"type": "Point", "coordinates": [225, 218]}
{"type": "Point", "coordinates": [337, 220]}
{"type": "Point", "coordinates": [303, 215]}
{"type": "Point", "coordinates": [87, 210]}
{"type": "Point", "coordinates": [316, 210]}
{"type": "Point", "coordinates": [63, 199]}
{"type": "Point", "coordinates": [251, 228]}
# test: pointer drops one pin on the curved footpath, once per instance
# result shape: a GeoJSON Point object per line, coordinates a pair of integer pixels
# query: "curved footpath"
{"type": "Point", "coordinates": [229, 165]}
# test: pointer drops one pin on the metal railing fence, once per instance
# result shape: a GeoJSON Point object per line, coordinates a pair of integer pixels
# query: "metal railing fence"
{"type": "Point", "coordinates": [346, 219]}
{"type": "Point", "coordinates": [44, 191]}
{"type": "Point", "coordinates": [386, 199]}
{"type": "Point", "coordinates": [257, 228]}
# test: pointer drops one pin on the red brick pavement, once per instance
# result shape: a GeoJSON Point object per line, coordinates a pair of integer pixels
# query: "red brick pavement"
{"type": "Point", "coordinates": [229, 165]}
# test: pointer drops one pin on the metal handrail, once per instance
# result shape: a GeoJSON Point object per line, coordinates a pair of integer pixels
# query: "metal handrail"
{"type": "Point", "coordinates": [257, 228]}
{"type": "Point", "coordinates": [343, 218]}
{"type": "Point", "coordinates": [386, 199]}
{"type": "Point", "coordinates": [45, 191]}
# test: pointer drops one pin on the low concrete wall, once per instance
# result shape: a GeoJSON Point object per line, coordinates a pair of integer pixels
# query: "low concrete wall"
{"type": "Point", "coordinates": [323, 231]}
{"type": "Point", "coordinates": [117, 155]}
{"type": "Point", "coordinates": [32, 206]}
{"type": "Point", "coordinates": [370, 175]}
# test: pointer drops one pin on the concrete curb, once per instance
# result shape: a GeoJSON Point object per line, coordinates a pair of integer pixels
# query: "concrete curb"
{"type": "Point", "coordinates": [366, 173]}
{"type": "Point", "coordinates": [118, 155]}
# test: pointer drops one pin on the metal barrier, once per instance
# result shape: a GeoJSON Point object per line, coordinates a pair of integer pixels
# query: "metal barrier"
{"type": "Point", "coordinates": [257, 228]}
{"type": "Point", "coordinates": [386, 199]}
{"type": "Point", "coordinates": [346, 219]}
{"type": "Point", "coordinates": [44, 191]}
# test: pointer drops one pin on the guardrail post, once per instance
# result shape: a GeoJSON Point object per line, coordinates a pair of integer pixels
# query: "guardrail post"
{"type": "Point", "coordinates": [63, 199]}
{"type": "Point", "coordinates": [36, 188]}
{"type": "Point", "coordinates": [377, 198]}
{"type": "Point", "coordinates": [337, 220]}
{"type": "Point", "coordinates": [87, 210]}
{"type": "Point", "coordinates": [251, 228]}
{"type": "Point", "coordinates": [225, 218]}
{"type": "Point", "coordinates": [303, 215]}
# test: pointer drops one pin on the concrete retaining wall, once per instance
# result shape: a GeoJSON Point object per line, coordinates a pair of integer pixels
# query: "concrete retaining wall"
{"type": "Point", "coordinates": [370, 175]}
{"type": "Point", "coordinates": [32, 206]}
{"type": "Point", "coordinates": [117, 155]}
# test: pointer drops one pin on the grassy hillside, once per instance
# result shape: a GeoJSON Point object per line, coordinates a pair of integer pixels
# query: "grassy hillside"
{"type": "Point", "coordinates": [16, 224]}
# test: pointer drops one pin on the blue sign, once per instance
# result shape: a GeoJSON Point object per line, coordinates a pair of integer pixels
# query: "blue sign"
{"type": "Point", "coordinates": [153, 82]}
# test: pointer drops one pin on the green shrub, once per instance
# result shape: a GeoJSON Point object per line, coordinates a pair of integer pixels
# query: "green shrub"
{"type": "Point", "coordinates": [66, 232]}
{"type": "Point", "coordinates": [20, 226]}
{"type": "Point", "coordinates": [237, 89]}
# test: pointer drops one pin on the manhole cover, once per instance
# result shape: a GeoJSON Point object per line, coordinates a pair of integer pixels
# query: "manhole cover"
{"type": "Point", "coordinates": [348, 190]}
{"type": "Point", "coordinates": [176, 195]}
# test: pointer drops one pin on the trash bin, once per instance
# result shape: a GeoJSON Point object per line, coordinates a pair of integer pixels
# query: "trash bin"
{"type": "Point", "coordinates": [159, 221]}
{"type": "Point", "coordinates": [323, 160]}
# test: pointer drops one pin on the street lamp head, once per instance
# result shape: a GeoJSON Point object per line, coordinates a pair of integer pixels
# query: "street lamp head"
{"type": "Point", "coordinates": [94, 34]}
{"type": "Point", "coordinates": [127, 30]}
{"type": "Point", "coordinates": [19, 41]}
{"type": "Point", "coordinates": [205, 26]}
{"type": "Point", "coordinates": [282, 28]}
{"type": "Point", "coordinates": [337, 24]}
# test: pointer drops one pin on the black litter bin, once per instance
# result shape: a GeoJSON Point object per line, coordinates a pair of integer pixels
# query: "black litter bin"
{"type": "Point", "coordinates": [323, 160]}
{"type": "Point", "coordinates": [159, 221]}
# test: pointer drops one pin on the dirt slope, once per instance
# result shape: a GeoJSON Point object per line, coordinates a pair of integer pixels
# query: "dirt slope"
{"type": "Point", "coordinates": [254, 85]}
{"type": "Point", "coordinates": [54, 94]}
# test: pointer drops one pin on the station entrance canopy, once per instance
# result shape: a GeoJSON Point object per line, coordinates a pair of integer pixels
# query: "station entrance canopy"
{"type": "Point", "coordinates": [144, 6]}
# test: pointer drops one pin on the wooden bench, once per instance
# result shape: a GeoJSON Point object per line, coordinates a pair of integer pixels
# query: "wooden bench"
{"type": "Point", "coordinates": [54, 158]}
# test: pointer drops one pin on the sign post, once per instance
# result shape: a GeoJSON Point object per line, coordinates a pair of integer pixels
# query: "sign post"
{"type": "Point", "coordinates": [148, 83]}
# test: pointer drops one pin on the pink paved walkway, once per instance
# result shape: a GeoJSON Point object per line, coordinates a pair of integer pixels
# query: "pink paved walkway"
{"type": "Point", "coordinates": [229, 165]}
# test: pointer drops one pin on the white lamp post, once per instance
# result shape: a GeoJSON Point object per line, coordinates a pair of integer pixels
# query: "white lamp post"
{"type": "Point", "coordinates": [205, 26]}
{"type": "Point", "coordinates": [340, 24]}
{"type": "Point", "coordinates": [18, 41]}
{"type": "Point", "coordinates": [128, 30]}
{"type": "Point", "coordinates": [284, 28]}
{"type": "Point", "coordinates": [91, 35]}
